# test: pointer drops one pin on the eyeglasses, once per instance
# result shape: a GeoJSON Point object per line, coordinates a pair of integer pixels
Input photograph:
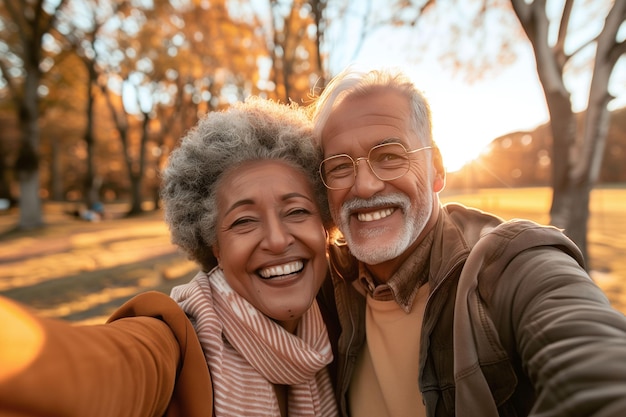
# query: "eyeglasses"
{"type": "Point", "coordinates": [388, 161]}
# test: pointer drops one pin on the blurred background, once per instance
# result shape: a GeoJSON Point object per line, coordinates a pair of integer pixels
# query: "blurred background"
{"type": "Point", "coordinates": [94, 94]}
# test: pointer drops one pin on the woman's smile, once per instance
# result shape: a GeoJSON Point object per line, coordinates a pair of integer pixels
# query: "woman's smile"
{"type": "Point", "coordinates": [280, 271]}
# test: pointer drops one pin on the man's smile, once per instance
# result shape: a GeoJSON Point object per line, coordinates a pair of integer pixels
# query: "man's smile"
{"type": "Point", "coordinates": [374, 215]}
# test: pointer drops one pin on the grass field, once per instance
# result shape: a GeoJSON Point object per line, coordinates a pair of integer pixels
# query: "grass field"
{"type": "Point", "coordinates": [81, 271]}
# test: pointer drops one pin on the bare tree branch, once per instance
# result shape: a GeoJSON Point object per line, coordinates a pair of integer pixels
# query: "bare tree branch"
{"type": "Point", "coordinates": [563, 27]}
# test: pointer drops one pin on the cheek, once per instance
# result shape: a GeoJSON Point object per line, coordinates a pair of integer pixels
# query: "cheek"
{"type": "Point", "coordinates": [320, 260]}
{"type": "Point", "coordinates": [336, 199]}
{"type": "Point", "coordinates": [321, 243]}
{"type": "Point", "coordinates": [234, 256]}
{"type": "Point", "coordinates": [313, 236]}
{"type": "Point", "coordinates": [418, 176]}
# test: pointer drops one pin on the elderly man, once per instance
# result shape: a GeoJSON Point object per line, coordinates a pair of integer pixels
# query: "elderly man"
{"type": "Point", "coordinates": [447, 310]}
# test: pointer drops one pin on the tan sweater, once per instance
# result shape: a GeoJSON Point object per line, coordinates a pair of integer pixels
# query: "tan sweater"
{"type": "Point", "coordinates": [385, 381]}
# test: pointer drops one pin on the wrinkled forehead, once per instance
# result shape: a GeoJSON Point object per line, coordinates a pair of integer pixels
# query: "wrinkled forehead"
{"type": "Point", "coordinates": [380, 113]}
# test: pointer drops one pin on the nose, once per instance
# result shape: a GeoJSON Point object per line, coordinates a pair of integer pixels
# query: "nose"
{"type": "Point", "coordinates": [277, 235]}
{"type": "Point", "coordinates": [366, 184]}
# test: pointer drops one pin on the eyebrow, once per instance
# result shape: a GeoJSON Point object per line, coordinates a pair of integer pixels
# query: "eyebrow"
{"type": "Point", "coordinates": [391, 139]}
{"type": "Point", "coordinates": [249, 201]}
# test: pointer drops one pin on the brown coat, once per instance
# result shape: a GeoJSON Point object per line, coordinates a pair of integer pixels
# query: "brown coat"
{"type": "Point", "coordinates": [146, 361]}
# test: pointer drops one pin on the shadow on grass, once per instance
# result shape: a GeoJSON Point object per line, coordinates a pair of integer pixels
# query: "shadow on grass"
{"type": "Point", "coordinates": [89, 294]}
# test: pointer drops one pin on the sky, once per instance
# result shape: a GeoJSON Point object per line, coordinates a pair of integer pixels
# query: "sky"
{"type": "Point", "coordinates": [466, 116]}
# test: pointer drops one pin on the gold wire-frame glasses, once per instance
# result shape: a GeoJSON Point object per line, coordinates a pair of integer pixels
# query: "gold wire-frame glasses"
{"type": "Point", "coordinates": [388, 161]}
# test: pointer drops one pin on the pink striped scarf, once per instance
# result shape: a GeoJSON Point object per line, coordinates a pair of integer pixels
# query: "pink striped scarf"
{"type": "Point", "coordinates": [247, 352]}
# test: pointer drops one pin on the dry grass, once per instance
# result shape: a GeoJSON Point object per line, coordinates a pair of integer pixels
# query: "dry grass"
{"type": "Point", "coordinates": [81, 271]}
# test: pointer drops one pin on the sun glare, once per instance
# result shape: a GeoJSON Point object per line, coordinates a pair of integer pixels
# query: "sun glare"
{"type": "Point", "coordinates": [468, 117]}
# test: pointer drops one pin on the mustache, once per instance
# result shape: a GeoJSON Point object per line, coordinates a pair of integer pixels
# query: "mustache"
{"type": "Point", "coordinates": [397, 199]}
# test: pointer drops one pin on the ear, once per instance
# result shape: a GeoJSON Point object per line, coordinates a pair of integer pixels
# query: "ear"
{"type": "Point", "coordinates": [216, 253]}
{"type": "Point", "coordinates": [439, 181]}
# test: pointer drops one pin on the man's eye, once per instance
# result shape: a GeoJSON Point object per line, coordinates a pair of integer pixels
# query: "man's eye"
{"type": "Point", "coordinates": [388, 156]}
{"type": "Point", "coordinates": [389, 160]}
{"type": "Point", "coordinates": [341, 170]}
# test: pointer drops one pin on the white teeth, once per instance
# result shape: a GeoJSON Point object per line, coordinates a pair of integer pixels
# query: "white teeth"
{"type": "Point", "coordinates": [278, 270]}
{"type": "Point", "coordinates": [375, 215]}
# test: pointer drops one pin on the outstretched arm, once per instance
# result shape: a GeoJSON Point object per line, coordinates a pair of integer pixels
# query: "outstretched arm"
{"type": "Point", "coordinates": [132, 366]}
{"type": "Point", "coordinates": [572, 344]}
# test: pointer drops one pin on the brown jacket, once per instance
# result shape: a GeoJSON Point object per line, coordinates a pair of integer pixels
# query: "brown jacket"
{"type": "Point", "coordinates": [146, 361]}
{"type": "Point", "coordinates": [513, 326]}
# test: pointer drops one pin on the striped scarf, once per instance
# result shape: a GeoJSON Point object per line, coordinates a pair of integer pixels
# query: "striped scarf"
{"type": "Point", "coordinates": [247, 352]}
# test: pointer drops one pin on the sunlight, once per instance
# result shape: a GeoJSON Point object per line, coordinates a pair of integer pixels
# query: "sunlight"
{"type": "Point", "coordinates": [466, 116]}
{"type": "Point", "coordinates": [21, 339]}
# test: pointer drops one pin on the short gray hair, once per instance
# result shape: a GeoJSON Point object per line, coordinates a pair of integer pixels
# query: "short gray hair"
{"type": "Point", "coordinates": [353, 82]}
{"type": "Point", "coordinates": [256, 129]}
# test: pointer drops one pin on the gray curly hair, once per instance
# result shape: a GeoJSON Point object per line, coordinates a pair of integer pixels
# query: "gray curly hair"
{"type": "Point", "coordinates": [256, 129]}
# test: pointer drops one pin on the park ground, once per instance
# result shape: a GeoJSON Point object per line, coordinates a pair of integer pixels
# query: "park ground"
{"type": "Point", "coordinates": [81, 271]}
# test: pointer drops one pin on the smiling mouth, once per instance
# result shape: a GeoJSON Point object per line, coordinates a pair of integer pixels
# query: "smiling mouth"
{"type": "Point", "coordinates": [375, 215]}
{"type": "Point", "coordinates": [281, 270]}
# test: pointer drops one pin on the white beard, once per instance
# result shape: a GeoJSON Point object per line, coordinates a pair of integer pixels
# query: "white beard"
{"type": "Point", "coordinates": [373, 252]}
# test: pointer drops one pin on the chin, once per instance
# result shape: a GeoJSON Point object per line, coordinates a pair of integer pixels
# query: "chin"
{"type": "Point", "coordinates": [289, 310]}
{"type": "Point", "coordinates": [373, 254]}
{"type": "Point", "coordinates": [374, 257]}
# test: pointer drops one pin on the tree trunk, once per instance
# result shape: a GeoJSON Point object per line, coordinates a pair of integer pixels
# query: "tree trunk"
{"type": "Point", "coordinates": [585, 171]}
{"type": "Point", "coordinates": [136, 178]}
{"type": "Point", "coordinates": [27, 164]}
{"type": "Point", "coordinates": [91, 185]}
{"type": "Point", "coordinates": [563, 129]}
{"type": "Point", "coordinates": [56, 180]}
{"type": "Point", "coordinates": [570, 198]}
{"type": "Point", "coordinates": [136, 199]}
{"type": "Point", "coordinates": [5, 185]}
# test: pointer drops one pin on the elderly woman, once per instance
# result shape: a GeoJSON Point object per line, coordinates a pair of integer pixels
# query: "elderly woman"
{"type": "Point", "coordinates": [242, 199]}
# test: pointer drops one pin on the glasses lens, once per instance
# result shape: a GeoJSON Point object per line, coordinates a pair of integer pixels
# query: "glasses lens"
{"type": "Point", "coordinates": [389, 161]}
{"type": "Point", "coordinates": [338, 171]}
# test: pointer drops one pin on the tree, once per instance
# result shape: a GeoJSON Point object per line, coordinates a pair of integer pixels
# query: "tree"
{"type": "Point", "coordinates": [157, 65]}
{"type": "Point", "coordinates": [135, 83]}
{"type": "Point", "coordinates": [80, 26]}
{"type": "Point", "coordinates": [574, 177]}
{"type": "Point", "coordinates": [24, 27]}
{"type": "Point", "coordinates": [173, 62]}
{"type": "Point", "coordinates": [293, 48]}
{"type": "Point", "coordinates": [289, 34]}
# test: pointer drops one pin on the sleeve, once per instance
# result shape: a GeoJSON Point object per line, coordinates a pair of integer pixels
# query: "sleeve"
{"type": "Point", "coordinates": [131, 366]}
{"type": "Point", "coordinates": [570, 341]}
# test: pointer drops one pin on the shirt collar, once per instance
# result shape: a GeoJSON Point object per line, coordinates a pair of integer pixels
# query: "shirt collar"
{"type": "Point", "coordinates": [403, 285]}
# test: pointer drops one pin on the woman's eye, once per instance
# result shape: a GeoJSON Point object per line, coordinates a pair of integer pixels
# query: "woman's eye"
{"type": "Point", "coordinates": [244, 221]}
{"type": "Point", "coordinates": [298, 212]}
